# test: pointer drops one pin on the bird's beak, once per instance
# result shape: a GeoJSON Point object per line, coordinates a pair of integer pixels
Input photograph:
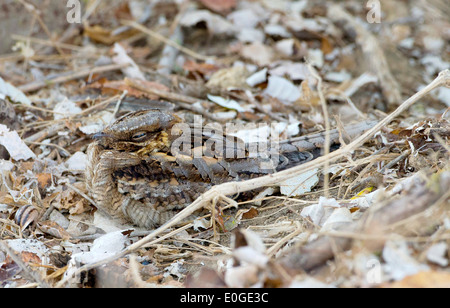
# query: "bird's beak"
{"type": "Point", "coordinates": [100, 135]}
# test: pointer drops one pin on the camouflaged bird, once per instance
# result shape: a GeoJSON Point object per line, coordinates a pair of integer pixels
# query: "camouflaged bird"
{"type": "Point", "coordinates": [140, 170]}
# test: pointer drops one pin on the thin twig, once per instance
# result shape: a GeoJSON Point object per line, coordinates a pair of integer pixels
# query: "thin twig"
{"type": "Point", "coordinates": [119, 102]}
{"type": "Point", "coordinates": [323, 103]}
{"type": "Point", "coordinates": [81, 193]}
{"type": "Point", "coordinates": [272, 250]}
{"type": "Point", "coordinates": [50, 145]}
{"type": "Point", "coordinates": [32, 10]}
{"type": "Point", "coordinates": [373, 54]}
{"type": "Point", "coordinates": [35, 40]}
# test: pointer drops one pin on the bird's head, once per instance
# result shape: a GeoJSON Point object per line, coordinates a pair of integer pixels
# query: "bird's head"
{"type": "Point", "coordinates": [143, 132]}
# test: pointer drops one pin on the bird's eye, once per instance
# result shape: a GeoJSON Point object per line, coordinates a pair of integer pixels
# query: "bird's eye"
{"type": "Point", "coordinates": [139, 136]}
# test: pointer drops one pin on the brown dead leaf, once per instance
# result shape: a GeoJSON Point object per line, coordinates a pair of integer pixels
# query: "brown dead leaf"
{"type": "Point", "coordinates": [251, 213]}
{"type": "Point", "coordinates": [431, 279]}
{"type": "Point", "coordinates": [219, 6]}
{"type": "Point", "coordinates": [123, 12]}
{"type": "Point", "coordinates": [29, 257]}
{"type": "Point", "coordinates": [68, 199]}
{"type": "Point", "coordinates": [239, 239]}
{"type": "Point", "coordinates": [202, 69]}
{"type": "Point", "coordinates": [24, 167]}
{"type": "Point", "coordinates": [249, 116]}
{"type": "Point", "coordinates": [52, 228]}
{"type": "Point", "coordinates": [309, 97]}
{"type": "Point", "coordinates": [421, 136]}
{"type": "Point", "coordinates": [6, 198]}
{"type": "Point", "coordinates": [105, 36]}
{"type": "Point", "coordinates": [80, 207]}
{"type": "Point", "coordinates": [44, 181]}
{"type": "Point", "coordinates": [327, 46]}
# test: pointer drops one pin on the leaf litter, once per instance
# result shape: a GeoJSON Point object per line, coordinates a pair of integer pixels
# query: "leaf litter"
{"type": "Point", "coordinates": [378, 216]}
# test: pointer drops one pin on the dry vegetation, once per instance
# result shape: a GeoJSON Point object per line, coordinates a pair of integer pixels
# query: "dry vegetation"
{"type": "Point", "coordinates": [373, 213]}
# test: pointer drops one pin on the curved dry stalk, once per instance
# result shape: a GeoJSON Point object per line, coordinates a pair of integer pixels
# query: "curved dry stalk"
{"type": "Point", "coordinates": [323, 103]}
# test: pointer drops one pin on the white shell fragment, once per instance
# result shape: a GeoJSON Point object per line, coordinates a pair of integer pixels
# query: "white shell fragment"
{"type": "Point", "coordinates": [257, 78]}
{"type": "Point", "coordinates": [16, 148]}
{"type": "Point", "coordinates": [216, 24]}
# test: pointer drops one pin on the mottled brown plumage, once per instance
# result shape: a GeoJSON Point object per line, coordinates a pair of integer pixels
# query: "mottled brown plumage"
{"type": "Point", "coordinates": [138, 170]}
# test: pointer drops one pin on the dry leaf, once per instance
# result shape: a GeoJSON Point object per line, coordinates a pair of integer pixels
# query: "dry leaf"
{"type": "Point", "coordinates": [251, 213]}
{"type": "Point", "coordinates": [301, 184]}
{"type": "Point", "coordinates": [219, 6]}
{"type": "Point", "coordinates": [79, 207]}
{"type": "Point", "coordinates": [226, 103]}
{"type": "Point", "coordinates": [216, 24]}
{"type": "Point", "coordinates": [203, 69]}
{"type": "Point", "coordinates": [147, 85]}
{"type": "Point", "coordinates": [327, 46]}
{"type": "Point", "coordinates": [437, 254]}
{"type": "Point", "coordinates": [77, 162]}
{"type": "Point", "coordinates": [425, 279]}
{"type": "Point", "coordinates": [123, 12]}
{"type": "Point", "coordinates": [257, 78]}
{"type": "Point", "coordinates": [8, 269]}
{"type": "Point", "coordinates": [259, 53]}
{"type": "Point", "coordinates": [206, 278]}
{"type": "Point", "coordinates": [29, 257]}
{"type": "Point", "coordinates": [282, 89]}
{"type": "Point", "coordinates": [121, 57]}
{"type": "Point", "coordinates": [65, 109]}
{"type": "Point", "coordinates": [16, 148]}
{"type": "Point", "coordinates": [14, 94]}
{"type": "Point", "coordinates": [44, 181]}
{"type": "Point", "coordinates": [68, 199]}
{"type": "Point", "coordinates": [227, 78]}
